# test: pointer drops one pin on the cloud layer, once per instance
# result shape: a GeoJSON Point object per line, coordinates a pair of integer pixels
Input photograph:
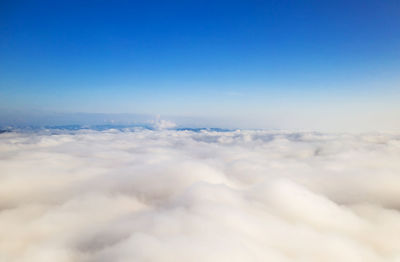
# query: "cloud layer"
{"type": "Point", "coordinates": [199, 196]}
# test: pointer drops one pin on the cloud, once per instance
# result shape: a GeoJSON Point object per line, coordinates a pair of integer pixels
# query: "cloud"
{"type": "Point", "coordinates": [171, 195]}
{"type": "Point", "coordinates": [159, 123]}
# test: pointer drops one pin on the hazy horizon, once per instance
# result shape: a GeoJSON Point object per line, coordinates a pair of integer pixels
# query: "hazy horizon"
{"type": "Point", "coordinates": [246, 64]}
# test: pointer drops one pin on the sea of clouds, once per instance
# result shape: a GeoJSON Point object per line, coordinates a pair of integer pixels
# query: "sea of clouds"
{"type": "Point", "coordinates": [168, 195]}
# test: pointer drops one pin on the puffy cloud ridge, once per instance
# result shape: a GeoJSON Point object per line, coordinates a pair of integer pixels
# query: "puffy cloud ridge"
{"type": "Point", "coordinates": [169, 195]}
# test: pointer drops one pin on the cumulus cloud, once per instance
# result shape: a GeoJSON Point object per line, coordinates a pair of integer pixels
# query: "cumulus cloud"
{"type": "Point", "coordinates": [159, 123]}
{"type": "Point", "coordinates": [172, 195]}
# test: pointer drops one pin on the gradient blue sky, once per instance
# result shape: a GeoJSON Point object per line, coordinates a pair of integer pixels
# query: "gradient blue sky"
{"type": "Point", "coordinates": [281, 64]}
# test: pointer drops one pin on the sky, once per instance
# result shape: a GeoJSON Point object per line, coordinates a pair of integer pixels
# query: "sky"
{"type": "Point", "coordinates": [320, 65]}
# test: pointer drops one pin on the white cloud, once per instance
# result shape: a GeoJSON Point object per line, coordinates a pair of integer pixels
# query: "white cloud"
{"type": "Point", "coordinates": [209, 196]}
{"type": "Point", "coordinates": [159, 123]}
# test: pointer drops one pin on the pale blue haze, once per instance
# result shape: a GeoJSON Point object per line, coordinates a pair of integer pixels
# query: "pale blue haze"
{"type": "Point", "coordinates": [325, 65]}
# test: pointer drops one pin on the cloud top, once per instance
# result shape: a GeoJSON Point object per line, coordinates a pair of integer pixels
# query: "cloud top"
{"type": "Point", "coordinates": [170, 195]}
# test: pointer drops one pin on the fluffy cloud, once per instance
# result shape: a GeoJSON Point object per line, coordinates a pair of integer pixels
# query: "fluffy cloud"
{"type": "Point", "coordinates": [199, 196]}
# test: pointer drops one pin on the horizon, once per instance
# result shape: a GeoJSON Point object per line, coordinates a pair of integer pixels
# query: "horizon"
{"type": "Point", "coordinates": [328, 66]}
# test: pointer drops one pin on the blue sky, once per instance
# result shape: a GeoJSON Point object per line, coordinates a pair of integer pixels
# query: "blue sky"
{"type": "Point", "coordinates": [263, 64]}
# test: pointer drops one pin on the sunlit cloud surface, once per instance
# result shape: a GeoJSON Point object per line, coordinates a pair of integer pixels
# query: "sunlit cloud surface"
{"type": "Point", "coordinates": [171, 195]}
